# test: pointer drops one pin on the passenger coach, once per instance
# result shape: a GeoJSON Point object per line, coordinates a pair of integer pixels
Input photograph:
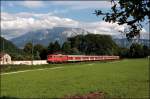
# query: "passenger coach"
{"type": "Point", "coordinates": [59, 58]}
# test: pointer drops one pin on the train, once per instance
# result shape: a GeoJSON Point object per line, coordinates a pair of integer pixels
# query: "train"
{"type": "Point", "coordinates": [59, 58]}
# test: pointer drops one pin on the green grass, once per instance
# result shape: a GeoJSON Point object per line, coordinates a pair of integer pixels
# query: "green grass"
{"type": "Point", "coordinates": [122, 79]}
{"type": "Point", "coordinates": [12, 68]}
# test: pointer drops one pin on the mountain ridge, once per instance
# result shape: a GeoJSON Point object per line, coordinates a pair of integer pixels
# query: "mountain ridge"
{"type": "Point", "coordinates": [45, 36]}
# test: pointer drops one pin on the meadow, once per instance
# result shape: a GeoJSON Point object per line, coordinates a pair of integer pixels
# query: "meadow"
{"type": "Point", "coordinates": [128, 78]}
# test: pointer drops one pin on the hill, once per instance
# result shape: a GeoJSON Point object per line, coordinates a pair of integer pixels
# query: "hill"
{"type": "Point", "coordinates": [7, 46]}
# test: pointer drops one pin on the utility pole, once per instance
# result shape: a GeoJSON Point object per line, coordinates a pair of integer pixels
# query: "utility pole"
{"type": "Point", "coordinates": [32, 51]}
{"type": "Point", "coordinates": [3, 52]}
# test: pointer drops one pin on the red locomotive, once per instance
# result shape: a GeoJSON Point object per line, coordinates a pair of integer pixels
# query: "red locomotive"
{"type": "Point", "coordinates": [59, 58]}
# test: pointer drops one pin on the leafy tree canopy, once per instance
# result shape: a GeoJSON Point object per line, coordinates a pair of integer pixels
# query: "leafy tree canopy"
{"type": "Point", "coordinates": [94, 44]}
{"type": "Point", "coordinates": [28, 48]}
{"type": "Point", "coordinates": [66, 47]}
{"type": "Point", "coordinates": [54, 47]}
{"type": "Point", "coordinates": [136, 50]}
{"type": "Point", "coordinates": [38, 47]}
{"type": "Point", "coordinates": [130, 12]}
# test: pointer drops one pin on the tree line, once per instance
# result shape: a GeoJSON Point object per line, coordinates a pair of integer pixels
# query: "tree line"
{"type": "Point", "coordinates": [135, 51]}
{"type": "Point", "coordinates": [91, 44]}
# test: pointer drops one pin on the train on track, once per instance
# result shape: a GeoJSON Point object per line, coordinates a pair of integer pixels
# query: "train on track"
{"type": "Point", "coordinates": [59, 58]}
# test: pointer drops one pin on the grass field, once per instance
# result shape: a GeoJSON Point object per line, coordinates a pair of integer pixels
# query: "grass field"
{"type": "Point", "coordinates": [122, 79]}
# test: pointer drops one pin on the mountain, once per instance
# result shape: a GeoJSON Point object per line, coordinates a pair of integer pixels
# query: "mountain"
{"type": "Point", "coordinates": [125, 43]}
{"type": "Point", "coordinates": [45, 36]}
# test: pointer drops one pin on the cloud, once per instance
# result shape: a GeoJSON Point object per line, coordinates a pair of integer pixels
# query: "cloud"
{"type": "Point", "coordinates": [32, 4]}
{"type": "Point", "coordinates": [104, 27]}
{"type": "Point", "coordinates": [32, 21]}
{"type": "Point", "coordinates": [27, 20]}
{"type": "Point", "coordinates": [13, 25]}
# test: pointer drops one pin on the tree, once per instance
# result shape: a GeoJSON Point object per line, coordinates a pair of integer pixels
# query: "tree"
{"type": "Point", "coordinates": [44, 53]}
{"type": "Point", "coordinates": [93, 44]}
{"type": "Point", "coordinates": [50, 48]}
{"type": "Point", "coordinates": [75, 51]}
{"type": "Point", "coordinates": [124, 52]}
{"type": "Point", "coordinates": [99, 45]}
{"type": "Point", "coordinates": [130, 12]}
{"type": "Point", "coordinates": [28, 48]}
{"type": "Point", "coordinates": [136, 51]}
{"type": "Point", "coordinates": [75, 41]}
{"type": "Point", "coordinates": [66, 47]}
{"type": "Point", "coordinates": [37, 56]}
{"type": "Point", "coordinates": [53, 47]}
{"type": "Point", "coordinates": [146, 50]}
{"type": "Point", "coordinates": [38, 49]}
{"type": "Point", "coordinates": [56, 46]}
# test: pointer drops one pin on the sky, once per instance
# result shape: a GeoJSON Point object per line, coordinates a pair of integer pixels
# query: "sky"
{"type": "Point", "coordinates": [20, 17]}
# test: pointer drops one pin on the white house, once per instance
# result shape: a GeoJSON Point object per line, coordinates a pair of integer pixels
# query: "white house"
{"type": "Point", "coordinates": [5, 58]}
